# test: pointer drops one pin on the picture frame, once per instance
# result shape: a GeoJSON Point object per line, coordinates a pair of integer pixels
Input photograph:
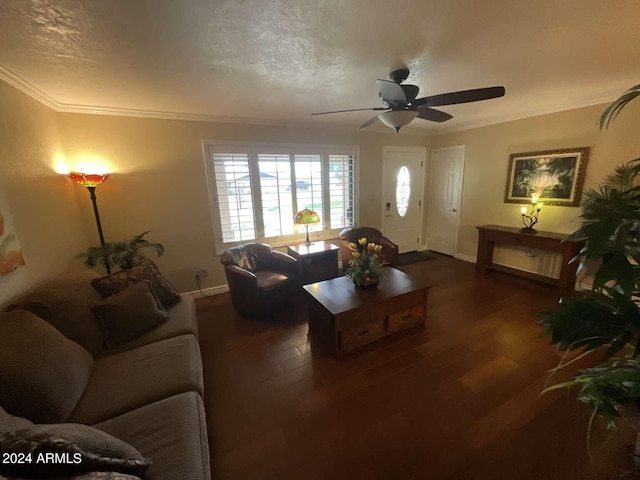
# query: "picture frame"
{"type": "Point", "coordinates": [555, 176]}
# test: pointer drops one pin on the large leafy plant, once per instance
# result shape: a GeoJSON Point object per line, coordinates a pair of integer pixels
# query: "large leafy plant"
{"type": "Point", "coordinates": [606, 319]}
{"type": "Point", "coordinates": [124, 254]}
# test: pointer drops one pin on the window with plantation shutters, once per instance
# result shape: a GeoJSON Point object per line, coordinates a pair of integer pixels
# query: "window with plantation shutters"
{"type": "Point", "coordinates": [256, 189]}
{"type": "Point", "coordinates": [235, 199]}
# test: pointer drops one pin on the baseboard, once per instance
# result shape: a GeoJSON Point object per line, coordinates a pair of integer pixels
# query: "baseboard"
{"type": "Point", "coordinates": [208, 292]}
{"type": "Point", "coordinates": [465, 258]}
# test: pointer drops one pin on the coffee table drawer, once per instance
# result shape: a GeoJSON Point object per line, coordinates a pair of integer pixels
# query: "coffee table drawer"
{"type": "Point", "coordinates": [365, 333]}
{"type": "Point", "coordinates": [406, 319]}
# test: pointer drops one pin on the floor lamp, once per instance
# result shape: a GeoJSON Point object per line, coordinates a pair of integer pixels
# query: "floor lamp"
{"type": "Point", "coordinates": [91, 181]}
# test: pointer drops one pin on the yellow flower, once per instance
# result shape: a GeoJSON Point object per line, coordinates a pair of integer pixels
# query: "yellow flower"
{"type": "Point", "coordinates": [371, 247]}
{"type": "Point", "coordinates": [362, 241]}
{"type": "Point", "coordinates": [353, 246]}
{"type": "Point", "coordinates": [356, 254]}
{"type": "Point", "coordinates": [378, 248]}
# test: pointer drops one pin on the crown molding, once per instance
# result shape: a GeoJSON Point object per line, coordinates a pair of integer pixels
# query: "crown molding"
{"type": "Point", "coordinates": [27, 88]}
{"type": "Point", "coordinates": [35, 93]}
{"type": "Point", "coordinates": [525, 115]}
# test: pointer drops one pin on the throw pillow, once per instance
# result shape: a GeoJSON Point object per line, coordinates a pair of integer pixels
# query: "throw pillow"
{"type": "Point", "coordinates": [129, 313]}
{"type": "Point", "coordinates": [80, 448]}
{"type": "Point", "coordinates": [143, 270]}
{"type": "Point", "coordinates": [65, 302]}
{"type": "Point", "coordinates": [43, 374]}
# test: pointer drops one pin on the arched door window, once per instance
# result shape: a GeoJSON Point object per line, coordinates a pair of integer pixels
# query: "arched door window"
{"type": "Point", "coordinates": [403, 191]}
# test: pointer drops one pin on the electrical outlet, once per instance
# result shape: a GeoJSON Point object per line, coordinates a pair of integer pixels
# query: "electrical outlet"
{"type": "Point", "coordinates": [201, 273]}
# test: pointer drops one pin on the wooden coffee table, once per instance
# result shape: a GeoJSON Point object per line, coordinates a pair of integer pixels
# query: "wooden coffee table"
{"type": "Point", "coordinates": [347, 317]}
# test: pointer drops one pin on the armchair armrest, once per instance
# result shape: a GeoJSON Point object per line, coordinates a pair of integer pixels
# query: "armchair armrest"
{"type": "Point", "coordinates": [284, 262]}
{"type": "Point", "coordinates": [239, 275]}
{"type": "Point", "coordinates": [389, 254]}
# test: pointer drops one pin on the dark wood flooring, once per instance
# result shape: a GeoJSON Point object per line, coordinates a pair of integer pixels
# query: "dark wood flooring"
{"type": "Point", "coordinates": [457, 400]}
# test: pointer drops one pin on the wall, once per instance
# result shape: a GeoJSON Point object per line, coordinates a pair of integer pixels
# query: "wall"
{"type": "Point", "coordinates": [486, 165]}
{"type": "Point", "coordinates": [159, 180]}
{"type": "Point", "coordinates": [43, 205]}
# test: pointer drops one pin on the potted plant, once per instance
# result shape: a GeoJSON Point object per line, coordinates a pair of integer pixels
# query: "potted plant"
{"type": "Point", "coordinates": [364, 269]}
{"type": "Point", "coordinates": [605, 320]}
{"type": "Point", "coordinates": [125, 254]}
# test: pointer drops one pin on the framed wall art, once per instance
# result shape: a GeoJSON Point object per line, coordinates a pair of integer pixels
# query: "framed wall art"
{"type": "Point", "coordinates": [555, 176]}
{"type": "Point", "coordinates": [10, 253]}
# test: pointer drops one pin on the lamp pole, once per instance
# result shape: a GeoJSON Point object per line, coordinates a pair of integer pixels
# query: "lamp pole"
{"type": "Point", "coordinates": [91, 182]}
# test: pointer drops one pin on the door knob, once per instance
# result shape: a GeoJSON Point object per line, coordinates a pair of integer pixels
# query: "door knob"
{"type": "Point", "coordinates": [454, 210]}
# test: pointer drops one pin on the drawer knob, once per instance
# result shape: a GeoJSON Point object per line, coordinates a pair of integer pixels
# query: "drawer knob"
{"type": "Point", "coordinates": [407, 316]}
{"type": "Point", "coordinates": [363, 332]}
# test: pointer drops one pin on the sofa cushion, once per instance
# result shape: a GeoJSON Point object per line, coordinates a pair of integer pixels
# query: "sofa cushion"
{"type": "Point", "coordinates": [182, 320]}
{"type": "Point", "coordinates": [42, 373]}
{"type": "Point", "coordinates": [129, 313]}
{"type": "Point", "coordinates": [171, 432]}
{"type": "Point", "coordinates": [143, 270]}
{"type": "Point", "coordinates": [128, 380]}
{"type": "Point", "coordinates": [10, 422]}
{"type": "Point", "coordinates": [65, 303]}
{"type": "Point", "coordinates": [87, 449]}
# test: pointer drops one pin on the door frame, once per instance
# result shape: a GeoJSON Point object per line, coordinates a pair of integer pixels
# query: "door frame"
{"type": "Point", "coordinates": [462, 148]}
{"type": "Point", "coordinates": [420, 150]}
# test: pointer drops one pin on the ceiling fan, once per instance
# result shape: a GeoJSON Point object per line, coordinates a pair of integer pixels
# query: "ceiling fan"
{"type": "Point", "coordinates": [402, 106]}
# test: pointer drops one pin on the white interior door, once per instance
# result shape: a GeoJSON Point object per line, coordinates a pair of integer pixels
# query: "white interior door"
{"type": "Point", "coordinates": [402, 195]}
{"type": "Point", "coordinates": [445, 187]}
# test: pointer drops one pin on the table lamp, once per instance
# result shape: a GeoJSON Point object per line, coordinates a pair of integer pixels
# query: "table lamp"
{"type": "Point", "coordinates": [306, 217]}
{"type": "Point", "coordinates": [531, 218]}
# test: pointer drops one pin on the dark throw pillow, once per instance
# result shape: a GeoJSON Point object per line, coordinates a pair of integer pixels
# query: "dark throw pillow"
{"type": "Point", "coordinates": [68, 449]}
{"type": "Point", "coordinates": [144, 270]}
{"type": "Point", "coordinates": [43, 374]}
{"type": "Point", "coordinates": [129, 313]}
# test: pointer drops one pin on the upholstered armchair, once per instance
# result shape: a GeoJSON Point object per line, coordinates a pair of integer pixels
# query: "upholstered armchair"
{"type": "Point", "coordinates": [260, 279]}
{"type": "Point", "coordinates": [388, 256]}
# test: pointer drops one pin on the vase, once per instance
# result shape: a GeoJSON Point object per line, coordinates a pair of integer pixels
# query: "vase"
{"type": "Point", "coordinates": [368, 282]}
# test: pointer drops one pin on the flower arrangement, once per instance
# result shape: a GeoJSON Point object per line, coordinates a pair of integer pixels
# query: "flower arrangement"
{"type": "Point", "coordinates": [364, 268]}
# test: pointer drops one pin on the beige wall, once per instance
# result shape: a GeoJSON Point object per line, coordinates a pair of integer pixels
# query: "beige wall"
{"type": "Point", "coordinates": [159, 181]}
{"type": "Point", "coordinates": [486, 164]}
{"type": "Point", "coordinates": [43, 205]}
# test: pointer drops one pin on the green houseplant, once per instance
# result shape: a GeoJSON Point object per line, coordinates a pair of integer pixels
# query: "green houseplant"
{"type": "Point", "coordinates": [606, 319]}
{"type": "Point", "coordinates": [125, 254]}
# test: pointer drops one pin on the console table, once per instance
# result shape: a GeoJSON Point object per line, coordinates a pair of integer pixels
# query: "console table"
{"type": "Point", "coordinates": [489, 235]}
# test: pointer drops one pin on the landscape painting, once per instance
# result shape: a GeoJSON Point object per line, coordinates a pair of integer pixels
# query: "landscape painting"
{"type": "Point", "coordinates": [11, 256]}
{"type": "Point", "coordinates": [555, 176]}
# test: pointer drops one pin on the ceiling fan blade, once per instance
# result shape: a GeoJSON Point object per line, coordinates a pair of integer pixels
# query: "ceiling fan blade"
{"type": "Point", "coordinates": [432, 114]}
{"type": "Point", "coordinates": [410, 91]}
{"type": "Point", "coordinates": [391, 92]}
{"type": "Point", "coordinates": [370, 122]}
{"type": "Point", "coordinates": [463, 96]}
{"type": "Point", "coordinates": [352, 110]}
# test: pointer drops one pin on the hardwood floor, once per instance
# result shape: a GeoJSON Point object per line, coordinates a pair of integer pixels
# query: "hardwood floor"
{"type": "Point", "coordinates": [457, 400]}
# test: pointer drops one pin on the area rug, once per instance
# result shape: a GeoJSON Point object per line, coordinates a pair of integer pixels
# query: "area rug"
{"type": "Point", "coordinates": [414, 257]}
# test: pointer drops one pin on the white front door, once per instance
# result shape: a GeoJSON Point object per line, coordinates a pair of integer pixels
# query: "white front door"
{"type": "Point", "coordinates": [445, 189]}
{"type": "Point", "coordinates": [402, 195]}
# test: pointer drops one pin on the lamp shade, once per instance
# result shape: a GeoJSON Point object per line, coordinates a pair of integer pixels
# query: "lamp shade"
{"type": "Point", "coordinates": [397, 118]}
{"type": "Point", "coordinates": [88, 179]}
{"type": "Point", "coordinates": [306, 217]}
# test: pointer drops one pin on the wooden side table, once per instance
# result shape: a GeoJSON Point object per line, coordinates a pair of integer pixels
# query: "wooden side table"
{"type": "Point", "coordinates": [317, 262]}
{"type": "Point", "coordinates": [489, 235]}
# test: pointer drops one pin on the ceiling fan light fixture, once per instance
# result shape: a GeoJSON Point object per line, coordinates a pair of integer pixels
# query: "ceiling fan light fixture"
{"type": "Point", "coordinates": [397, 119]}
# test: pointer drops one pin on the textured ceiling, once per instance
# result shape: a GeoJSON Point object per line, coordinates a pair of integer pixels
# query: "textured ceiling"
{"type": "Point", "coordinates": [277, 61]}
